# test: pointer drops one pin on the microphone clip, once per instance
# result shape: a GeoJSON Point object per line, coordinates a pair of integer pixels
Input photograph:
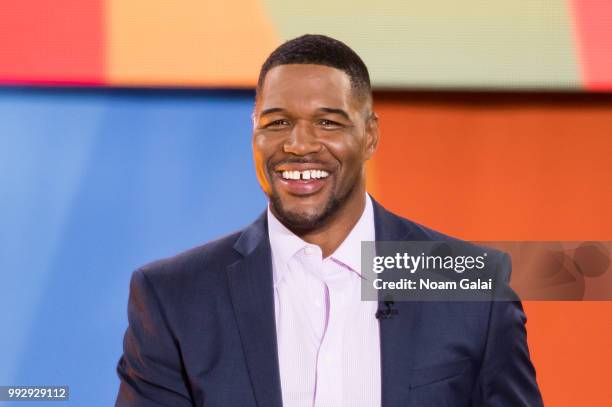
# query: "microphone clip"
{"type": "Point", "coordinates": [388, 312]}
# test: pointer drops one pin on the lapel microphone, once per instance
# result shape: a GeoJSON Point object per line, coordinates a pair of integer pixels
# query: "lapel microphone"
{"type": "Point", "coordinates": [388, 312]}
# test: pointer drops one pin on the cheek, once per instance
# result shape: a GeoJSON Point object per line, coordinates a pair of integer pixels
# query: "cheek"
{"type": "Point", "coordinates": [264, 149]}
{"type": "Point", "coordinates": [257, 157]}
{"type": "Point", "coordinates": [266, 145]}
{"type": "Point", "coordinates": [260, 159]}
{"type": "Point", "coordinates": [261, 152]}
{"type": "Point", "coordinates": [349, 151]}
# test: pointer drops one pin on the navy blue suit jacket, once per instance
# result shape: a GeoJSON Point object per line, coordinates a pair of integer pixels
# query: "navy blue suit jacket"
{"type": "Point", "coordinates": [202, 333]}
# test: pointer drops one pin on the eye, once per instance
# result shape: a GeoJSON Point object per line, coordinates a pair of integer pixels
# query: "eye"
{"type": "Point", "coordinates": [329, 124]}
{"type": "Point", "coordinates": [277, 123]}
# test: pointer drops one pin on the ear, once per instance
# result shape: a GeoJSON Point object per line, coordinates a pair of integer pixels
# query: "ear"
{"type": "Point", "coordinates": [372, 134]}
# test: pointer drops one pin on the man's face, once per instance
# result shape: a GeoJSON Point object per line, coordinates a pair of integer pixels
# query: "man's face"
{"type": "Point", "coordinates": [311, 138]}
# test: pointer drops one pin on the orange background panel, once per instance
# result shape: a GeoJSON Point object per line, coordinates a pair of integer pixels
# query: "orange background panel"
{"type": "Point", "coordinates": [208, 43]}
{"type": "Point", "coordinates": [499, 166]}
{"type": "Point", "coordinates": [512, 167]}
{"type": "Point", "coordinates": [570, 347]}
{"type": "Point", "coordinates": [54, 42]}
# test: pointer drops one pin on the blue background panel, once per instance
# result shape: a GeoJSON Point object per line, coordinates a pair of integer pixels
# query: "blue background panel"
{"type": "Point", "coordinates": [93, 184]}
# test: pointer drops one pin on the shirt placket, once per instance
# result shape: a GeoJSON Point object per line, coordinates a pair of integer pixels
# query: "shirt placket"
{"type": "Point", "coordinates": [329, 360]}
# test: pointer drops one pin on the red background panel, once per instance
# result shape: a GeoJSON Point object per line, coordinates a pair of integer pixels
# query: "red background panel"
{"type": "Point", "coordinates": [593, 19]}
{"type": "Point", "coordinates": [52, 42]}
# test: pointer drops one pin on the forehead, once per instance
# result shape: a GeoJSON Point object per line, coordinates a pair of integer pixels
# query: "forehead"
{"type": "Point", "coordinates": [305, 86]}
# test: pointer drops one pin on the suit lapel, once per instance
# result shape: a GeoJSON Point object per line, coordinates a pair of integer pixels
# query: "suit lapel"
{"type": "Point", "coordinates": [397, 334]}
{"type": "Point", "coordinates": [252, 293]}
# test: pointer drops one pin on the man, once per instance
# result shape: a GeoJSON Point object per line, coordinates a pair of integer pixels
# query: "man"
{"type": "Point", "coordinates": [272, 316]}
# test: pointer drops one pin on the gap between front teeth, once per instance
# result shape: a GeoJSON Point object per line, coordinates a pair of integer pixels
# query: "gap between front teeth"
{"type": "Point", "coordinates": [305, 175]}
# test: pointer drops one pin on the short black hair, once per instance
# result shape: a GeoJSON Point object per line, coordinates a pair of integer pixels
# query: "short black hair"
{"type": "Point", "coordinates": [320, 50]}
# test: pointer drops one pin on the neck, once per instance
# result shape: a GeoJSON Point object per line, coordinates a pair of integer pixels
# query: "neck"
{"type": "Point", "coordinates": [333, 232]}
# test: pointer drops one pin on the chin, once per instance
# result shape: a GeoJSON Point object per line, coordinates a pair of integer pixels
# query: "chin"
{"type": "Point", "coordinates": [304, 217]}
{"type": "Point", "coordinates": [300, 219]}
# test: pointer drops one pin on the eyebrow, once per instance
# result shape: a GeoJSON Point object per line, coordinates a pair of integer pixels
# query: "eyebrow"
{"type": "Point", "coordinates": [322, 109]}
{"type": "Point", "coordinates": [271, 110]}
{"type": "Point", "coordinates": [336, 111]}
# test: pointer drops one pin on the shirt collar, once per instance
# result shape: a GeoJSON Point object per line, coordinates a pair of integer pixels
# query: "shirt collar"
{"type": "Point", "coordinates": [285, 244]}
{"type": "Point", "coordinates": [349, 251]}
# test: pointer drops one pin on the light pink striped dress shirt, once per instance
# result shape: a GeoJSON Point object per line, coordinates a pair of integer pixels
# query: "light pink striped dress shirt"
{"type": "Point", "coordinates": [328, 339]}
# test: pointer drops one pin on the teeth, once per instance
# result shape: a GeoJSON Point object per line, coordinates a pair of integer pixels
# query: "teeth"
{"type": "Point", "coordinates": [305, 175]}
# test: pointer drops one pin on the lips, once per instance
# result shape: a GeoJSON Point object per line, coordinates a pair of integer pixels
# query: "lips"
{"type": "Point", "coordinates": [302, 187]}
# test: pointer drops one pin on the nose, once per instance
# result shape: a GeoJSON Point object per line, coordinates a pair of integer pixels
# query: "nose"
{"type": "Point", "coordinates": [302, 140]}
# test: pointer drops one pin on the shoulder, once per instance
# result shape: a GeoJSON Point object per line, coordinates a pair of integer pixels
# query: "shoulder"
{"type": "Point", "coordinates": [391, 226]}
{"type": "Point", "coordinates": [206, 262]}
{"type": "Point", "coordinates": [199, 274]}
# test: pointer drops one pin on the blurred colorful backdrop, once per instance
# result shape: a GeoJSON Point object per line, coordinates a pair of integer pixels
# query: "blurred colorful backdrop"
{"type": "Point", "coordinates": [125, 137]}
{"type": "Point", "coordinates": [552, 44]}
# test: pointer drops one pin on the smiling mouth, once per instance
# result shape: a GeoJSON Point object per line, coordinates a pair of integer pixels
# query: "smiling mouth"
{"type": "Point", "coordinates": [303, 182]}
